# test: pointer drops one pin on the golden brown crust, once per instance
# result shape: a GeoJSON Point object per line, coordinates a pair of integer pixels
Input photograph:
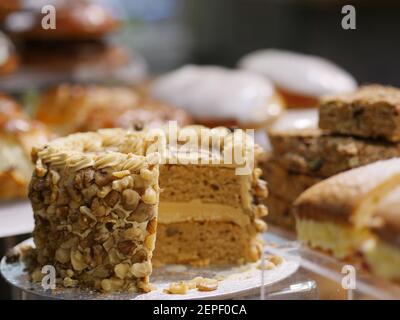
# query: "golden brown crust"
{"type": "Point", "coordinates": [71, 108]}
{"type": "Point", "coordinates": [338, 198]}
{"type": "Point", "coordinates": [372, 111]}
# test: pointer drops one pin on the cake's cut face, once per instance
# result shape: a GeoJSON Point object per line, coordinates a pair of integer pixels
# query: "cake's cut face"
{"type": "Point", "coordinates": [209, 214]}
{"type": "Point", "coordinates": [383, 257]}
{"type": "Point", "coordinates": [95, 198]}
{"type": "Point", "coordinates": [372, 111]}
{"type": "Point", "coordinates": [313, 152]}
{"type": "Point", "coordinates": [347, 200]}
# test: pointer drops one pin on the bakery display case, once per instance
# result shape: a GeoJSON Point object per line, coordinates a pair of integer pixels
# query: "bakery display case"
{"type": "Point", "coordinates": [187, 150]}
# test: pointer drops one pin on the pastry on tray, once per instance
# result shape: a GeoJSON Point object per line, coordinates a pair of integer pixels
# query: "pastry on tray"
{"type": "Point", "coordinates": [284, 188]}
{"type": "Point", "coordinates": [300, 79]}
{"type": "Point", "coordinates": [18, 134]}
{"type": "Point", "coordinates": [314, 152]}
{"type": "Point", "coordinates": [334, 214]}
{"type": "Point", "coordinates": [383, 256]}
{"type": "Point", "coordinates": [74, 20]}
{"type": "Point", "coordinates": [97, 204]}
{"type": "Point", "coordinates": [372, 111]}
{"type": "Point", "coordinates": [218, 96]}
{"type": "Point", "coordinates": [72, 108]}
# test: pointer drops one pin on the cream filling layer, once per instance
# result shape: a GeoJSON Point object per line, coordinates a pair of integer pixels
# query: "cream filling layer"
{"type": "Point", "coordinates": [343, 241]}
{"type": "Point", "coordinates": [196, 210]}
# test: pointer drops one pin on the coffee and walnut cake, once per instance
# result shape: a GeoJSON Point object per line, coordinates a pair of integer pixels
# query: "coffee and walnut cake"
{"type": "Point", "coordinates": [96, 202]}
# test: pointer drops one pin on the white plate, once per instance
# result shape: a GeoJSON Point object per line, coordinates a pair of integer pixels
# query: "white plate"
{"type": "Point", "coordinates": [236, 281]}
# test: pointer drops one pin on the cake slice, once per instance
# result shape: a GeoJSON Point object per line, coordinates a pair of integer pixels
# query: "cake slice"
{"type": "Point", "coordinates": [209, 212]}
{"type": "Point", "coordinates": [383, 258]}
{"type": "Point", "coordinates": [315, 153]}
{"type": "Point", "coordinates": [334, 214]}
{"type": "Point", "coordinates": [372, 112]}
{"type": "Point", "coordinates": [95, 198]}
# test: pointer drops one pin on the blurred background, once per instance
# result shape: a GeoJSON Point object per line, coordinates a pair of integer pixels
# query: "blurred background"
{"type": "Point", "coordinates": [172, 32]}
{"type": "Point", "coordinates": [165, 34]}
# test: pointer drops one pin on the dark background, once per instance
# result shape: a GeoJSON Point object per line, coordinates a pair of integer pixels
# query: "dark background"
{"type": "Point", "coordinates": [172, 32]}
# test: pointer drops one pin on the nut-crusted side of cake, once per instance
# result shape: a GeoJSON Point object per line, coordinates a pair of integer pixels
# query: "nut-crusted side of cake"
{"type": "Point", "coordinates": [315, 153]}
{"type": "Point", "coordinates": [209, 214]}
{"type": "Point", "coordinates": [95, 199]}
{"type": "Point", "coordinates": [372, 111]}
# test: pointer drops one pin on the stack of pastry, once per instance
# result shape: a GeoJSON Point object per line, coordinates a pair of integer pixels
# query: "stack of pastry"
{"type": "Point", "coordinates": [355, 129]}
{"type": "Point", "coordinates": [355, 215]}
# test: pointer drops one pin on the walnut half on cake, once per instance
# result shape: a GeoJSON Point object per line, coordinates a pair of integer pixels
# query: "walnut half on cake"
{"type": "Point", "coordinates": [95, 198]}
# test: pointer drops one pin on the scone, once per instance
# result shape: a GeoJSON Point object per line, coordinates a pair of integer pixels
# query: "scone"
{"type": "Point", "coordinates": [18, 134]}
{"type": "Point", "coordinates": [372, 111]}
{"type": "Point", "coordinates": [334, 214]}
{"type": "Point", "coordinates": [77, 108]}
{"type": "Point", "coordinates": [217, 96]}
{"type": "Point", "coordinates": [301, 79]}
{"type": "Point", "coordinates": [316, 153]}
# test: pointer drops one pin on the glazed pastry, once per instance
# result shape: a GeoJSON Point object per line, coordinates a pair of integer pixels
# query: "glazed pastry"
{"type": "Point", "coordinates": [71, 108]}
{"type": "Point", "coordinates": [8, 56]}
{"type": "Point", "coordinates": [383, 254]}
{"type": "Point", "coordinates": [75, 20]}
{"type": "Point", "coordinates": [334, 214]}
{"type": "Point", "coordinates": [372, 111]}
{"type": "Point", "coordinates": [301, 79]}
{"type": "Point", "coordinates": [219, 96]}
{"type": "Point", "coordinates": [316, 153]}
{"type": "Point", "coordinates": [18, 134]}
